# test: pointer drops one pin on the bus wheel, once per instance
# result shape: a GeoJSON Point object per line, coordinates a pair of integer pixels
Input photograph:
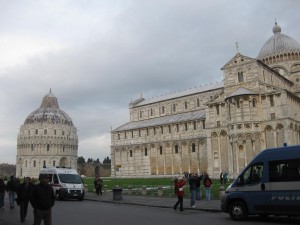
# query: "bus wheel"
{"type": "Point", "coordinates": [238, 211]}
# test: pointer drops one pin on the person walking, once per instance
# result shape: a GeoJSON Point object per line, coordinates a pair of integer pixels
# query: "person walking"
{"type": "Point", "coordinates": [23, 196]}
{"type": "Point", "coordinates": [98, 185]}
{"type": "Point", "coordinates": [192, 183]}
{"type": "Point", "coordinates": [221, 178]}
{"type": "Point", "coordinates": [11, 188]}
{"type": "Point", "coordinates": [225, 177]}
{"type": "Point", "coordinates": [198, 186]}
{"type": "Point", "coordinates": [207, 184]}
{"type": "Point", "coordinates": [42, 200]}
{"type": "Point", "coordinates": [179, 191]}
{"type": "Point", "coordinates": [2, 193]}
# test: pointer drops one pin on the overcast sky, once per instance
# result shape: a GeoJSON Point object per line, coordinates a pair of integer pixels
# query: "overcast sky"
{"type": "Point", "coordinates": [98, 55]}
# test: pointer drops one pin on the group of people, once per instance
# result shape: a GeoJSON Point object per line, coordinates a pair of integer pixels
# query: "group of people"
{"type": "Point", "coordinates": [223, 178]}
{"type": "Point", "coordinates": [41, 197]}
{"type": "Point", "coordinates": [194, 181]}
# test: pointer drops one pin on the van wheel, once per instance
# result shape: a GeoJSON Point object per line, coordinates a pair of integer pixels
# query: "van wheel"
{"type": "Point", "coordinates": [238, 211]}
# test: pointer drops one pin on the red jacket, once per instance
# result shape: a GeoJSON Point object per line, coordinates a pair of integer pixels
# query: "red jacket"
{"type": "Point", "coordinates": [179, 188]}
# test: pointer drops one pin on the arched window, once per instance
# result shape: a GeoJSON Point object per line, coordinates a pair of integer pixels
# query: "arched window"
{"type": "Point", "coordinates": [146, 152]}
{"type": "Point", "coordinates": [193, 147]}
{"type": "Point", "coordinates": [240, 77]}
{"type": "Point", "coordinates": [44, 164]}
{"type": "Point", "coordinates": [130, 152]}
{"type": "Point", "coordinates": [160, 150]}
{"type": "Point", "coordinates": [48, 147]}
{"type": "Point", "coordinates": [45, 131]}
{"type": "Point", "coordinates": [34, 163]}
{"type": "Point", "coordinates": [185, 104]}
{"type": "Point", "coordinates": [36, 131]}
{"type": "Point", "coordinates": [176, 149]}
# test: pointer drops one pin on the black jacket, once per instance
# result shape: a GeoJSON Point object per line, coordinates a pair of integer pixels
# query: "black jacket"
{"type": "Point", "coordinates": [24, 192]}
{"type": "Point", "coordinates": [11, 186]}
{"type": "Point", "coordinates": [42, 197]}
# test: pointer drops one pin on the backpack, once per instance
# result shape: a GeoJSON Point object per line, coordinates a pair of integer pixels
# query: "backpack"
{"type": "Point", "coordinates": [207, 182]}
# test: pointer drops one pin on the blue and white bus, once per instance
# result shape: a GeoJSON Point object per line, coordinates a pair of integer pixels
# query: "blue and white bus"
{"type": "Point", "coordinates": [269, 185]}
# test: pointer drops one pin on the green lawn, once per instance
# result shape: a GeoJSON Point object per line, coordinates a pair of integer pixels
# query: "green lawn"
{"type": "Point", "coordinates": [151, 184]}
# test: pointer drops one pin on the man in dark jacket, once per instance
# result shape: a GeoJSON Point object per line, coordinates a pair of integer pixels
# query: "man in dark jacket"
{"type": "Point", "coordinates": [23, 196]}
{"type": "Point", "coordinates": [11, 188]}
{"type": "Point", "coordinates": [42, 200]}
{"type": "Point", "coordinates": [192, 183]}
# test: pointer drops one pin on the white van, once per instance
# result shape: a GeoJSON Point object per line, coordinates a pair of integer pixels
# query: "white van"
{"type": "Point", "coordinates": [269, 185]}
{"type": "Point", "coordinates": [66, 182]}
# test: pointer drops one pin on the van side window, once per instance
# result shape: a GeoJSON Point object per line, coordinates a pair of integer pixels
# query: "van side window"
{"type": "Point", "coordinates": [55, 179]}
{"type": "Point", "coordinates": [284, 170]}
{"type": "Point", "coordinates": [253, 174]}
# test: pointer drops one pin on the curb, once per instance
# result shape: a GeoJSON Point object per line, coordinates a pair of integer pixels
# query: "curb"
{"type": "Point", "coordinates": [154, 206]}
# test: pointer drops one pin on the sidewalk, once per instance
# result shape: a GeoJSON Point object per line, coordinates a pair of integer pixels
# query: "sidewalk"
{"type": "Point", "coordinates": [151, 201]}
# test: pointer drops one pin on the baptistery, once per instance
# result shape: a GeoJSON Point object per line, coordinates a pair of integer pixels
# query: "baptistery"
{"type": "Point", "coordinates": [48, 138]}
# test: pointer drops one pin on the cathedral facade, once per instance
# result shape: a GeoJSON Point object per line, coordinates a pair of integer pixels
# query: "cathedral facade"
{"type": "Point", "coordinates": [219, 127]}
{"type": "Point", "coordinates": [47, 138]}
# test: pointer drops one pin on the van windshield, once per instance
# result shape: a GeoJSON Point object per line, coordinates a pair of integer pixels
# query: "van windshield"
{"type": "Point", "coordinates": [70, 178]}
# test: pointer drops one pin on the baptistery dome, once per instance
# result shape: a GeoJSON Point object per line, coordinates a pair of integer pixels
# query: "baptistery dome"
{"type": "Point", "coordinates": [278, 45]}
{"type": "Point", "coordinates": [50, 112]}
{"type": "Point", "coordinates": [47, 138]}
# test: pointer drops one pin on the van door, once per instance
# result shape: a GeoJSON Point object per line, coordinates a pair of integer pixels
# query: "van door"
{"type": "Point", "coordinates": [251, 187]}
{"type": "Point", "coordinates": [282, 191]}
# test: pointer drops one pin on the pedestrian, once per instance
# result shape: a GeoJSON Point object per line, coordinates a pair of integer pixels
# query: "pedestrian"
{"type": "Point", "coordinates": [179, 191]}
{"type": "Point", "coordinates": [207, 184]}
{"type": "Point", "coordinates": [42, 200]}
{"type": "Point", "coordinates": [192, 183]}
{"type": "Point", "coordinates": [225, 177]}
{"type": "Point", "coordinates": [11, 188]}
{"type": "Point", "coordinates": [98, 185]}
{"type": "Point", "coordinates": [2, 193]}
{"type": "Point", "coordinates": [23, 196]}
{"type": "Point", "coordinates": [221, 178]}
{"type": "Point", "coordinates": [198, 186]}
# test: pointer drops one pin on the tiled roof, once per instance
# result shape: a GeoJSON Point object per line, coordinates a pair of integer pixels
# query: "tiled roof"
{"type": "Point", "coordinates": [241, 91]}
{"type": "Point", "coordinates": [183, 117]}
{"type": "Point", "coordinates": [181, 94]}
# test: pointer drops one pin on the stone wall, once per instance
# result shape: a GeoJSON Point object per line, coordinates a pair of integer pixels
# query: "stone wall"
{"type": "Point", "coordinates": [93, 169]}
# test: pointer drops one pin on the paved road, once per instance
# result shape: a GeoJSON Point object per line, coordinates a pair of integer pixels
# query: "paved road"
{"type": "Point", "coordinates": [103, 210]}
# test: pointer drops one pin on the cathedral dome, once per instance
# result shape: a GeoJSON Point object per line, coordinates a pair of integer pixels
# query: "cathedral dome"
{"type": "Point", "coordinates": [278, 44]}
{"type": "Point", "coordinates": [50, 112]}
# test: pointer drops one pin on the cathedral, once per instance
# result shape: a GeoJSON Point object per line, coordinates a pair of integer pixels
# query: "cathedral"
{"type": "Point", "coordinates": [215, 128]}
{"type": "Point", "coordinates": [48, 138]}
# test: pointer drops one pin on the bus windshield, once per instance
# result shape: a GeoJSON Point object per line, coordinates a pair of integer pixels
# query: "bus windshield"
{"type": "Point", "coordinates": [70, 178]}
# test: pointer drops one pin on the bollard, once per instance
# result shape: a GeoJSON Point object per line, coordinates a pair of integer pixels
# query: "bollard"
{"type": "Point", "coordinates": [129, 189]}
{"type": "Point", "coordinates": [144, 190]}
{"type": "Point", "coordinates": [86, 188]}
{"type": "Point", "coordinates": [221, 191]}
{"type": "Point", "coordinates": [160, 191]}
{"type": "Point", "coordinates": [105, 189]}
